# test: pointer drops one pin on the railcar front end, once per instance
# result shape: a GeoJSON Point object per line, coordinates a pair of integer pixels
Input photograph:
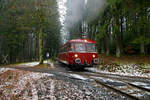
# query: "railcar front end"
{"type": "Point", "coordinates": [83, 59]}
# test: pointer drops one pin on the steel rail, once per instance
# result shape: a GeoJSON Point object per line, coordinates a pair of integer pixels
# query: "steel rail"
{"type": "Point", "coordinates": [117, 90]}
{"type": "Point", "coordinates": [138, 87]}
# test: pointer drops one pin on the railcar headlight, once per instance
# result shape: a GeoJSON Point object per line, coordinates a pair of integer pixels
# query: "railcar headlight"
{"type": "Point", "coordinates": [76, 55]}
{"type": "Point", "coordinates": [85, 40]}
{"type": "Point", "coordinates": [93, 56]}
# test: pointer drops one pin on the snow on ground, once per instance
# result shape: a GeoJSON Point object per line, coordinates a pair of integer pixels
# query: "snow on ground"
{"type": "Point", "coordinates": [32, 64]}
{"type": "Point", "coordinates": [128, 70]}
{"type": "Point", "coordinates": [17, 83]}
{"type": "Point", "coordinates": [66, 90]}
{"type": "Point", "coordinates": [142, 84]}
{"type": "Point", "coordinates": [139, 83]}
{"type": "Point", "coordinates": [27, 78]}
{"type": "Point", "coordinates": [49, 62]}
{"type": "Point", "coordinates": [2, 70]}
{"type": "Point", "coordinates": [106, 79]}
{"type": "Point", "coordinates": [46, 74]}
{"type": "Point", "coordinates": [24, 85]}
{"type": "Point", "coordinates": [78, 76]}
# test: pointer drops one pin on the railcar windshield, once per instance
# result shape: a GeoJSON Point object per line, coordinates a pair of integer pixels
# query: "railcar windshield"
{"type": "Point", "coordinates": [90, 47]}
{"type": "Point", "coordinates": [85, 47]}
{"type": "Point", "coordinates": [80, 47]}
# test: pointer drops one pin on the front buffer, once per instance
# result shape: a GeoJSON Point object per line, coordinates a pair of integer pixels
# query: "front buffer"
{"type": "Point", "coordinates": [82, 60]}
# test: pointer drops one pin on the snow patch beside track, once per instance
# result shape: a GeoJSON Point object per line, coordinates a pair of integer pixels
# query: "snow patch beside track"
{"type": "Point", "coordinates": [78, 76]}
{"type": "Point", "coordinates": [125, 72]}
{"type": "Point", "coordinates": [2, 70]}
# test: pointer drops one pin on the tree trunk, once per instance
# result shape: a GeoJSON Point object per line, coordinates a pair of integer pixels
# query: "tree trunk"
{"type": "Point", "coordinates": [121, 34]}
{"type": "Point", "coordinates": [118, 46]}
{"type": "Point", "coordinates": [118, 38]}
{"type": "Point", "coordinates": [108, 32]}
{"type": "Point", "coordinates": [107, 46]}
{"type": "Point", "coordinates": [142, 49]}
{"type": "Point", "coordinates": [37, 46]}
{"type": "Point", "coordinates": [142, 31]}
{"type": "Point", "coordinates": [103, 46]}
{"type": "Point", "coordinates": [40, 47]}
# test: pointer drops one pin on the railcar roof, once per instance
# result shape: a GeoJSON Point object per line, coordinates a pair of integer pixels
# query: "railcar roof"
{"type": "Point", "coordinates": [82, 40]}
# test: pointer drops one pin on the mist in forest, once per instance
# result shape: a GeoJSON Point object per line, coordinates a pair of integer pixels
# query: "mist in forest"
{"type": "Point", "coordinates": [78, 10]}
{"type": "Point", "coordinates": [74, 12]}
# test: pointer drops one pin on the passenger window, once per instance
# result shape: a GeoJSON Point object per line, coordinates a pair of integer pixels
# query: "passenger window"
{"type": "Point", "coordinates": [72, 47]}
{"type": "Point", "coordinates": [90, 47]}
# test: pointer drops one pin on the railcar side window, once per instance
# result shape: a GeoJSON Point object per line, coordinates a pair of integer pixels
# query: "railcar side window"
{"type": "Point", "coordinates": [70, 47]}
{"type": "Point", "coordinates": [91, 47]}
{"type": "Point", "coordinates": [80, 47]}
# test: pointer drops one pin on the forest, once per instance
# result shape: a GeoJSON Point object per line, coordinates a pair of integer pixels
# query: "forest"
{"type": "Point", "coordinates": [123, 28]}
{"type": "Point", "coordinates": [29, 29]}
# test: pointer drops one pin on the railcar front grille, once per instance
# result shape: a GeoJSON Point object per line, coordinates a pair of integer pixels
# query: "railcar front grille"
{"type": "Point", "coordinates": [77, 61]}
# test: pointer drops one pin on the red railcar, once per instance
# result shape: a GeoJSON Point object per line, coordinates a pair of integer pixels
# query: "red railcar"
{"type": "Point", "coordinates": [79, 53]}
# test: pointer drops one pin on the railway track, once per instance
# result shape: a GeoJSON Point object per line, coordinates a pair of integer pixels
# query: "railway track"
{"type": "Point", "coordinates": [129, 90]}
{"type": "Point", "coordinates": [117, 90]}
{"type": "Point", "coordinates": [123, 86]}
{"type": "Point", "coordinates": [123, 77]}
